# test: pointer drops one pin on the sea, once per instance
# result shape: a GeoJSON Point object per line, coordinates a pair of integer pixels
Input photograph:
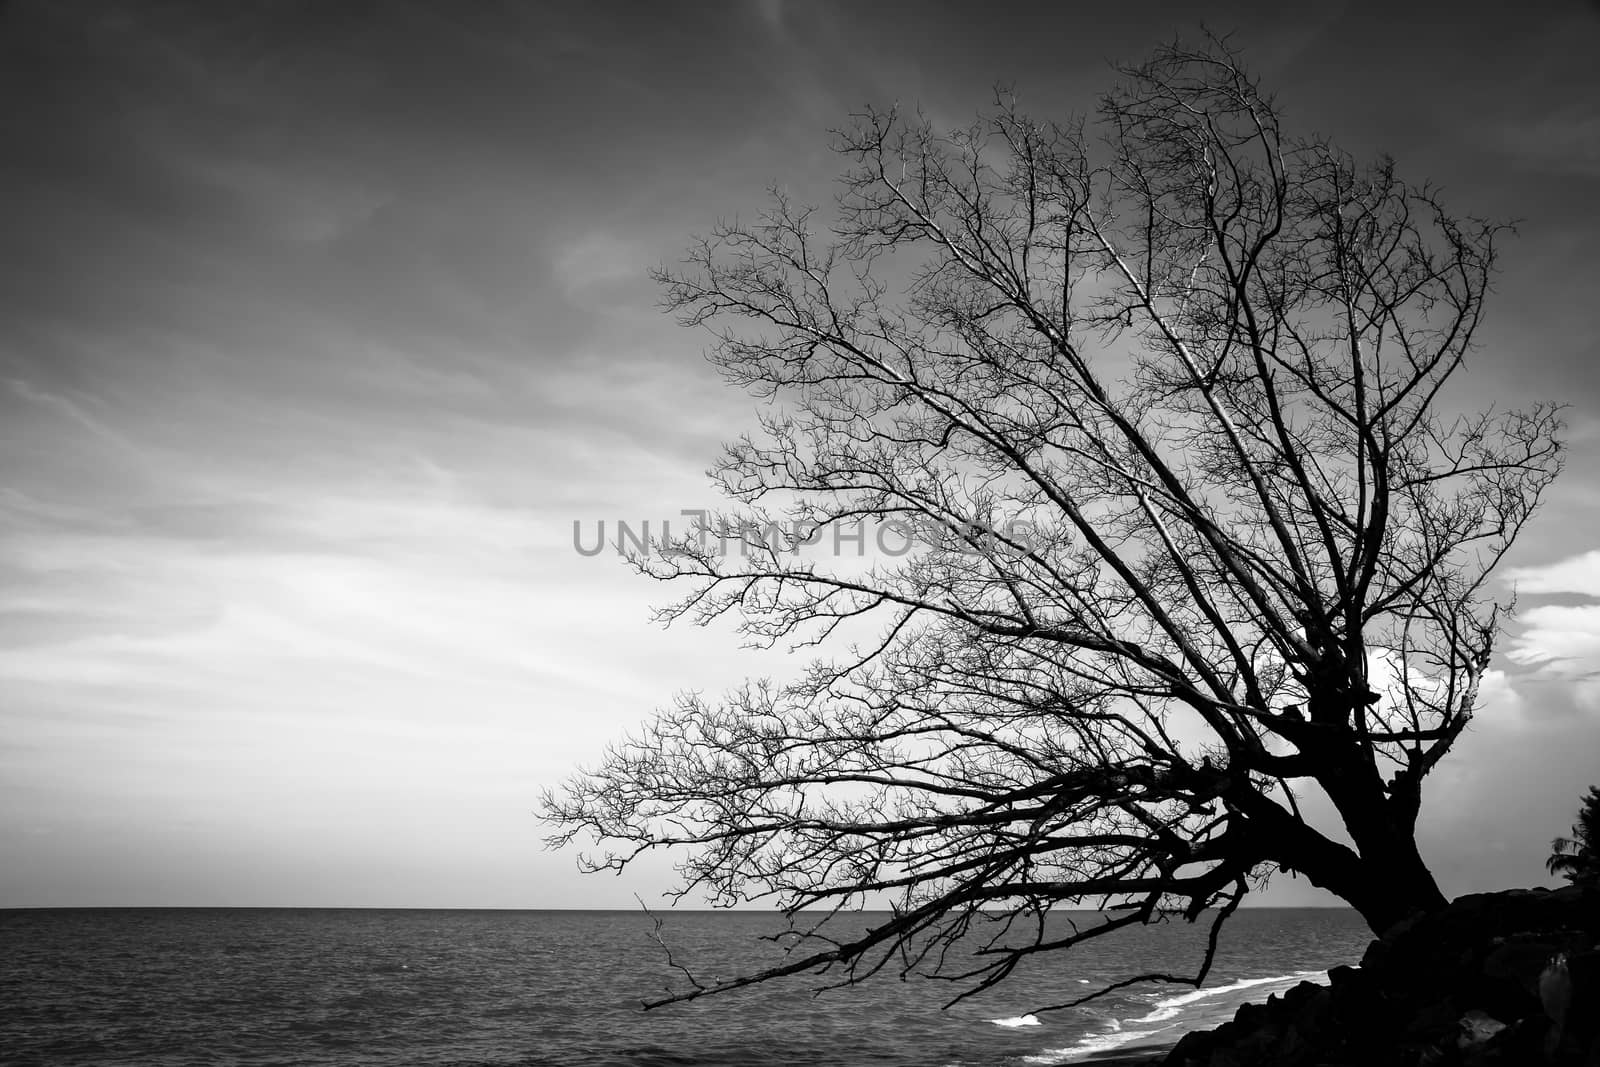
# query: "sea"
{"type": "Point", "coordinates": [236, 986]}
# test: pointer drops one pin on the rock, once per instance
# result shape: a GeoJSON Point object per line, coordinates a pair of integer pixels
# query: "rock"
{"type": "Point", "coordinates": [1251, 1015]}
{"type": "Point", "coordinates": [1477, 1028]}
{"type": "Point", "coordinates": [1312, 1019]}
{"type": "Point", "coordinates": [1472, 985]}
{"type": "Point", "coordinates": [1355, 993]}
{"type": "Point", "coordinates": [1522, 962]}
{"type": "Point", "coordinates": [1432, 1019]}
{"type": "Point", "coordinates": [1293, 1045]}
{"type": "Point", "coordinates": [1345, 974]}
{"type": "Point", "coordinates": [1193, 1047]}
{"type": "Point", "coordinates": [1300, 994]}
{"type": "Point", "coordinates": [1524, 1041]}
{"type": "Point", "coordinates": [1257, 1045]}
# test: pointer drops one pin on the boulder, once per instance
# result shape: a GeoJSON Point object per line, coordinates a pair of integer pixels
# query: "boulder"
{"type": "Point", "coordinates": [1492, 979]}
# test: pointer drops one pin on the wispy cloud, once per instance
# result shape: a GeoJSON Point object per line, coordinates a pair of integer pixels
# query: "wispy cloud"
{"type": "Point", "coordinates": [1560, 643]}
{"type": "Point", "coordinates": [1578, 574]}
{"type": "Point", "coordinates": [319, 328]}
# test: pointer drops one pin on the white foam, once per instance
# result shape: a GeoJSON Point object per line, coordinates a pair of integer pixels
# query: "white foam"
{"type": "Point", "coordinates": [1017, 1020]}
{"type": "Point", "coordinates": [1165, 1010]}
{"type": "Point", "coordinates": [1170, 1007]}
{"type": "Point", "coordinates": [1092, 1045]}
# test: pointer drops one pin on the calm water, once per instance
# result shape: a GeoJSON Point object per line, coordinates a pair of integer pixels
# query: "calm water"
{"type": "Point", "coordinates": [502, 988]}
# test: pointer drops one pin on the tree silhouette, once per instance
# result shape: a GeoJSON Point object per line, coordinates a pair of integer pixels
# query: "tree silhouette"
{"type": "Point", "coordinates": [1168, 387]}
{"type": "Point", "coordinates": [1577, 858]}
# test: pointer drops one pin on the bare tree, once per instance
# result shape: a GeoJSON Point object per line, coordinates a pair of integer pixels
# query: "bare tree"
{"type": "Point", "coordinates": [1205, 363]}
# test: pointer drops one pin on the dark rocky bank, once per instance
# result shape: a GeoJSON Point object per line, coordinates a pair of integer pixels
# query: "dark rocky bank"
{"type": "Point", "coordinates": [1508, 978]}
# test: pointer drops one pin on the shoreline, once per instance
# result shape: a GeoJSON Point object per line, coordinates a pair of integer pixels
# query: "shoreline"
{"type": "Point", "coordinates": [1131, 1056]}
{"type": "Point", "coordinates": [1490, 979]}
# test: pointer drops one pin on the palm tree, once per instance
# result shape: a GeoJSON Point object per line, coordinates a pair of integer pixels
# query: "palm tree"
{"type": "Point", "coordinates": [1578, 857]}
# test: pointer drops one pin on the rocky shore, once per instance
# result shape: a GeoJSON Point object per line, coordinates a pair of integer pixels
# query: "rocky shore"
{"type": "Point", "coordinates": [1509, 978]}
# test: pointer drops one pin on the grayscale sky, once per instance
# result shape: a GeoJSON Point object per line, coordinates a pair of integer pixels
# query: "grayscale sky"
{"type": "Point", "coordinates": [321, 323]}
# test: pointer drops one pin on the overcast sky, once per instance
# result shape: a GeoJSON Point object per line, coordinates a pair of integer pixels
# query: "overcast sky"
{"type": "Point", "coordinates": [321, 323]}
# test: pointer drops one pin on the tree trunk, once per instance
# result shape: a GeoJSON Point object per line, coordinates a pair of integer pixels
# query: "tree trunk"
{"type": "Point", "coordinates": [1395, 886]}
{"type": "Point", "coordinates": [1394, 881]}
{"type": "Point", "coordinates": [1383, 877]}
{"type": "Point", "coordinates": [1385, 887]}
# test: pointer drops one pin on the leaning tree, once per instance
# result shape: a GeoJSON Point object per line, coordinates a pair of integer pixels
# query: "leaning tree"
{"type": "Point", "coordinates": [1208, 592]}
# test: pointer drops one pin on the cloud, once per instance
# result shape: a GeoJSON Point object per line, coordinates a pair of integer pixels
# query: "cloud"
{"type": "Point", "coordinates": [1566, 141]}
{"type": "Point", "coordinates": [69, 409]}
{"type": "Point", "coordinates": [1562, 640]}
{"type": "Point", "coordinates": [1499, 700]}
{"type": "Point", "coordinates": [598, 263]}
{"type": "Point", "coordinates": [1578, 574]}
{"type": "Point", "coordinates": [315, 345]}
{"type": "Point", "coordinates": [771, 12]}
{"type": "Point", "coordinates": [1560, 643]}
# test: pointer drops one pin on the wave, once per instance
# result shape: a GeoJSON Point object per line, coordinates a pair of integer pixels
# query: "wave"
{"type": "Point", "coordinates": [1163, 1011]}
{"type": "Point", "coordinates": [1092, 1045]}
{"type": "Point", "coordinates": [1170, 1007]}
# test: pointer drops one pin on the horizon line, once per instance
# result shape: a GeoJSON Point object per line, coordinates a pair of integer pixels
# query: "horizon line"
{"type": "Point", "coordinates": [633, 910]}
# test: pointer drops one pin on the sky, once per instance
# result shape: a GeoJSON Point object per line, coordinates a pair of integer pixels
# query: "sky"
{"type": "Point", "coordinates": [322, 323]}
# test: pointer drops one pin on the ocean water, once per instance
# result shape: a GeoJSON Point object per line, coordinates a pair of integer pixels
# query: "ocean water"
{"type": "Point", "coordinates": [563, 989]}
